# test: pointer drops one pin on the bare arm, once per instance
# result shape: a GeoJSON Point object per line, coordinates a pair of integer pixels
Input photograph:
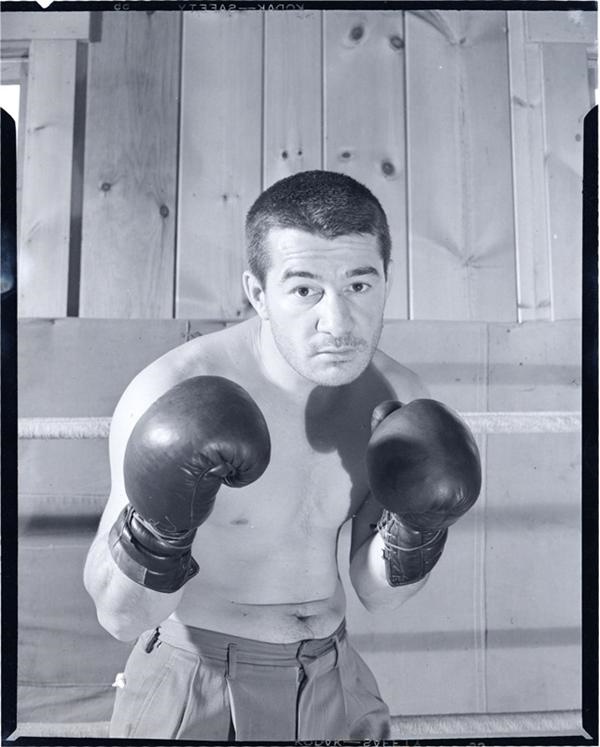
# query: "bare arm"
{"type": "Point", "coordinates": [124, 608]}
{"type": "Point", "coordinates": [367, 564]}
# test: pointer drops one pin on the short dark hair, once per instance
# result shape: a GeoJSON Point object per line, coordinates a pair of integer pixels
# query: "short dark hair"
{"type": "Point", "coordinates": [320, 202]}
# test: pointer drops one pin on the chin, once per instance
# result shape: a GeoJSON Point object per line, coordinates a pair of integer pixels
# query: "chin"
{"type": "Point", "coordinates": [337, 375]}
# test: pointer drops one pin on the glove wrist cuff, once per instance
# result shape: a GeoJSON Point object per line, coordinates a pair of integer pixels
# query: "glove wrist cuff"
{"type": "Point", "coordinates": [149, 558]}
{"type": "Point", "coordinates": [409, 554]}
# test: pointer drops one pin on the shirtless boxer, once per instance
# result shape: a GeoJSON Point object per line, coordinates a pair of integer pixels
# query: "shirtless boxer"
{"type": "Point", "coordinates": [224, 567]}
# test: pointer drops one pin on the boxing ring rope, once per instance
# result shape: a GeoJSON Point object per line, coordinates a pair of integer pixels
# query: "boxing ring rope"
{"type": "Point", "coordinates": [479, 422]}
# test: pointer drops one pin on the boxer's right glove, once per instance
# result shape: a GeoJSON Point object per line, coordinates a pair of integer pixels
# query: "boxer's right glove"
{"type": "Point", "coordinates": [202, 433]}
{"type": "Point", "coordinates": [424, 469]}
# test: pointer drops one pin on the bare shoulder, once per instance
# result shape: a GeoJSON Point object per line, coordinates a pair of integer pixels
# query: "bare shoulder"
{"type": "Point", "coordinates": [405, 382]}
{"type": "Point", "coordinates": [212, 354]}
{"type": "Point", "coordinates": [207, 355]}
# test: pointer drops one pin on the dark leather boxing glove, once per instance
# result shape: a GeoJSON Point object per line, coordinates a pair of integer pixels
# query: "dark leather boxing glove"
{"type": "Point", "coordinates": [424, 468]}
{"type": "Point", "coordinates": [202, 433]}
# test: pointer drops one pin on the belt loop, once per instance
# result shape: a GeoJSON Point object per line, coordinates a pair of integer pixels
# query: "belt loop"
{"type": "Point", "coordinates": [152, 640]}
{"type": "Point", "coordinates": [336, 646]}
{"type": "Point", "coordinates": [231, 661]}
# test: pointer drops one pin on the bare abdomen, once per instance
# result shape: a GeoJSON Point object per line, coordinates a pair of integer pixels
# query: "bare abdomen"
{"type": "Point", "coordinates": [279, 589]}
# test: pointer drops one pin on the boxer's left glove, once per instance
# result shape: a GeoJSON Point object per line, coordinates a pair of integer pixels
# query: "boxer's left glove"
{"type": "Point", "coordinates": [202, 433]}
{"type": "Point", "coordinates": [424, 469]}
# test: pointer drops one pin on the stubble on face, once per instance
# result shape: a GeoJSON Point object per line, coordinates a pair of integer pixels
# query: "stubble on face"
{"type": "Point", "coordinates": [317, 356]}
{"type": "Point", "coordinates": [318, 366]}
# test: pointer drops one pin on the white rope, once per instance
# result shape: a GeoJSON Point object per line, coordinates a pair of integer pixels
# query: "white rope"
{"type": "Point", "coordinates": [479, 422]}
{"type": "Point", "coordinates": [523, 422]}
{"type": "Point", "coordinates": [75, 428]}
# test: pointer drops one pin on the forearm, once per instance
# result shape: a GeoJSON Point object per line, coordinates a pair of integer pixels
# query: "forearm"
{"type": "Point", "coordinates": [124, 608]}
{"type": "Point", "coordinates": [369, 578]}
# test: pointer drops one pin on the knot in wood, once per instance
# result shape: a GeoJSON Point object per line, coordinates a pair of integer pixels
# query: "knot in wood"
{"type": "Point", "coordinates": [388, 168]}
{"type": "Point", "coordinates": [357, 33]}
{"type": "Point", "coordinates": [397, 42]}
{"type": "Point", "coordinates": [164, 211]}
{"type": "Point", "coordinates": [105, 186]}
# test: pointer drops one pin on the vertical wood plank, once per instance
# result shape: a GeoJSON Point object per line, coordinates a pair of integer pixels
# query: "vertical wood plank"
{"type": "Point", "coordinates": [529, 173]}
{"type": "Point", "coordinates": [567, 102]}
{"type": "Point", "coordinates": [293, 94]}
{"type": "Point", "coordinates": [459, 154]}
{"type": "Point", "coordinates": [534, 572]}
{"type": "Point", "coordinates": [364, 119]}
{"type": "Point", "coordinates": [21, 134]}
{"type": "Point", "coordinates": [220, 172]}
{"type": "Point", "coordinates": [128, 224]}
{"type": "Point", "coordinates": [43, 254]}
{"type": "Point", "coordinates": [533, 523]}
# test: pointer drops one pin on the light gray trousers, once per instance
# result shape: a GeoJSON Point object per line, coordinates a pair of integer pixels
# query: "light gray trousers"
{"type": "Point", "coordinates": [187, 683]}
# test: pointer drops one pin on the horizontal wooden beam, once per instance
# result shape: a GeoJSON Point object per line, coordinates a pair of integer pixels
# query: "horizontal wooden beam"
{"type": "Point", "coordinates": [52, 26]}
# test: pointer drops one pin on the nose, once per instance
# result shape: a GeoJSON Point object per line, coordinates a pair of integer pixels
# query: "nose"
{"type": "Point", "coordinates": [335, 316]}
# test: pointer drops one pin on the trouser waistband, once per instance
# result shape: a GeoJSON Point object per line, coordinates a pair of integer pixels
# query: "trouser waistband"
{"type": "Point", "coordinates": [219, 646]}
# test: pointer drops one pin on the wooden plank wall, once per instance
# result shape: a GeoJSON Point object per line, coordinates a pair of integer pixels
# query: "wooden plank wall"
{"type": "Point", "coordinates": [460, 188]}
{"type": "Point", "coordinates": [293, 124]}
{"type": "Point", "coordinates": [220, 172]}
{"type": "Point", "coordinates": [43, 253]}
{"type": "Point", "coordinates": [129, 198]}
{"type": "Point", "coordinates": [531, 227]}
{"type": "Point", "coordinates": [364, 121]}
{"type": "Point", "coordinates": [468, 126]}
{"type": "Point", "coordinates": [45, 26]}
{"type": "Point", "coordinates": [495, 629]}
{"type": "Point", "coordinates": [550, 95]}
{"type": "Point", "coordinates": [567, 101]}
{"type": "Point", "coordinates": [533, 521]}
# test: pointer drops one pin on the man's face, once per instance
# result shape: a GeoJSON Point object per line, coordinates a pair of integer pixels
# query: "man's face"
{"type": "Point", "coordinates": [324, 299]}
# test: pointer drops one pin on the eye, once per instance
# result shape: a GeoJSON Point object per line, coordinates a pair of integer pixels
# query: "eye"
{"type": "Point", "coordinates": [360, 287]}
{"type": "Point", "coordinates": [303, 291]}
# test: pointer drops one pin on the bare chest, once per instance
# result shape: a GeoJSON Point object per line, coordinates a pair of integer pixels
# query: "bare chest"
{"type": "Point", "coordinates": [316, 478]}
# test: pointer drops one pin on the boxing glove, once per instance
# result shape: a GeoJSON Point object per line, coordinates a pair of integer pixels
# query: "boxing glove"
{"type": "Point", "coordinates": [202, 433]}
{"type": "Point", "coordinates": [423, 467]}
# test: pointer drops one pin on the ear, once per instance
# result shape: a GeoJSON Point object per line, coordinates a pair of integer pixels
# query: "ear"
{"type": "Point", "coordinates": [389, 279]}
{"type": "Point", "coordinates": [255, 293]}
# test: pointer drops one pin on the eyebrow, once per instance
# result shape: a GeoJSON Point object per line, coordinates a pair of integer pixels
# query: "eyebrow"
{"type": "Point", "coordinates": [299, 274]}
{"type": "Point", "coordinates": [357, 271]}
{"type": "Point", "coordinates": [367, 270]}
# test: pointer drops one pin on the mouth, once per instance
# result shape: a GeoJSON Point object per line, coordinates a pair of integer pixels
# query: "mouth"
{"type": "Point", "coordinates": [336, 351]}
